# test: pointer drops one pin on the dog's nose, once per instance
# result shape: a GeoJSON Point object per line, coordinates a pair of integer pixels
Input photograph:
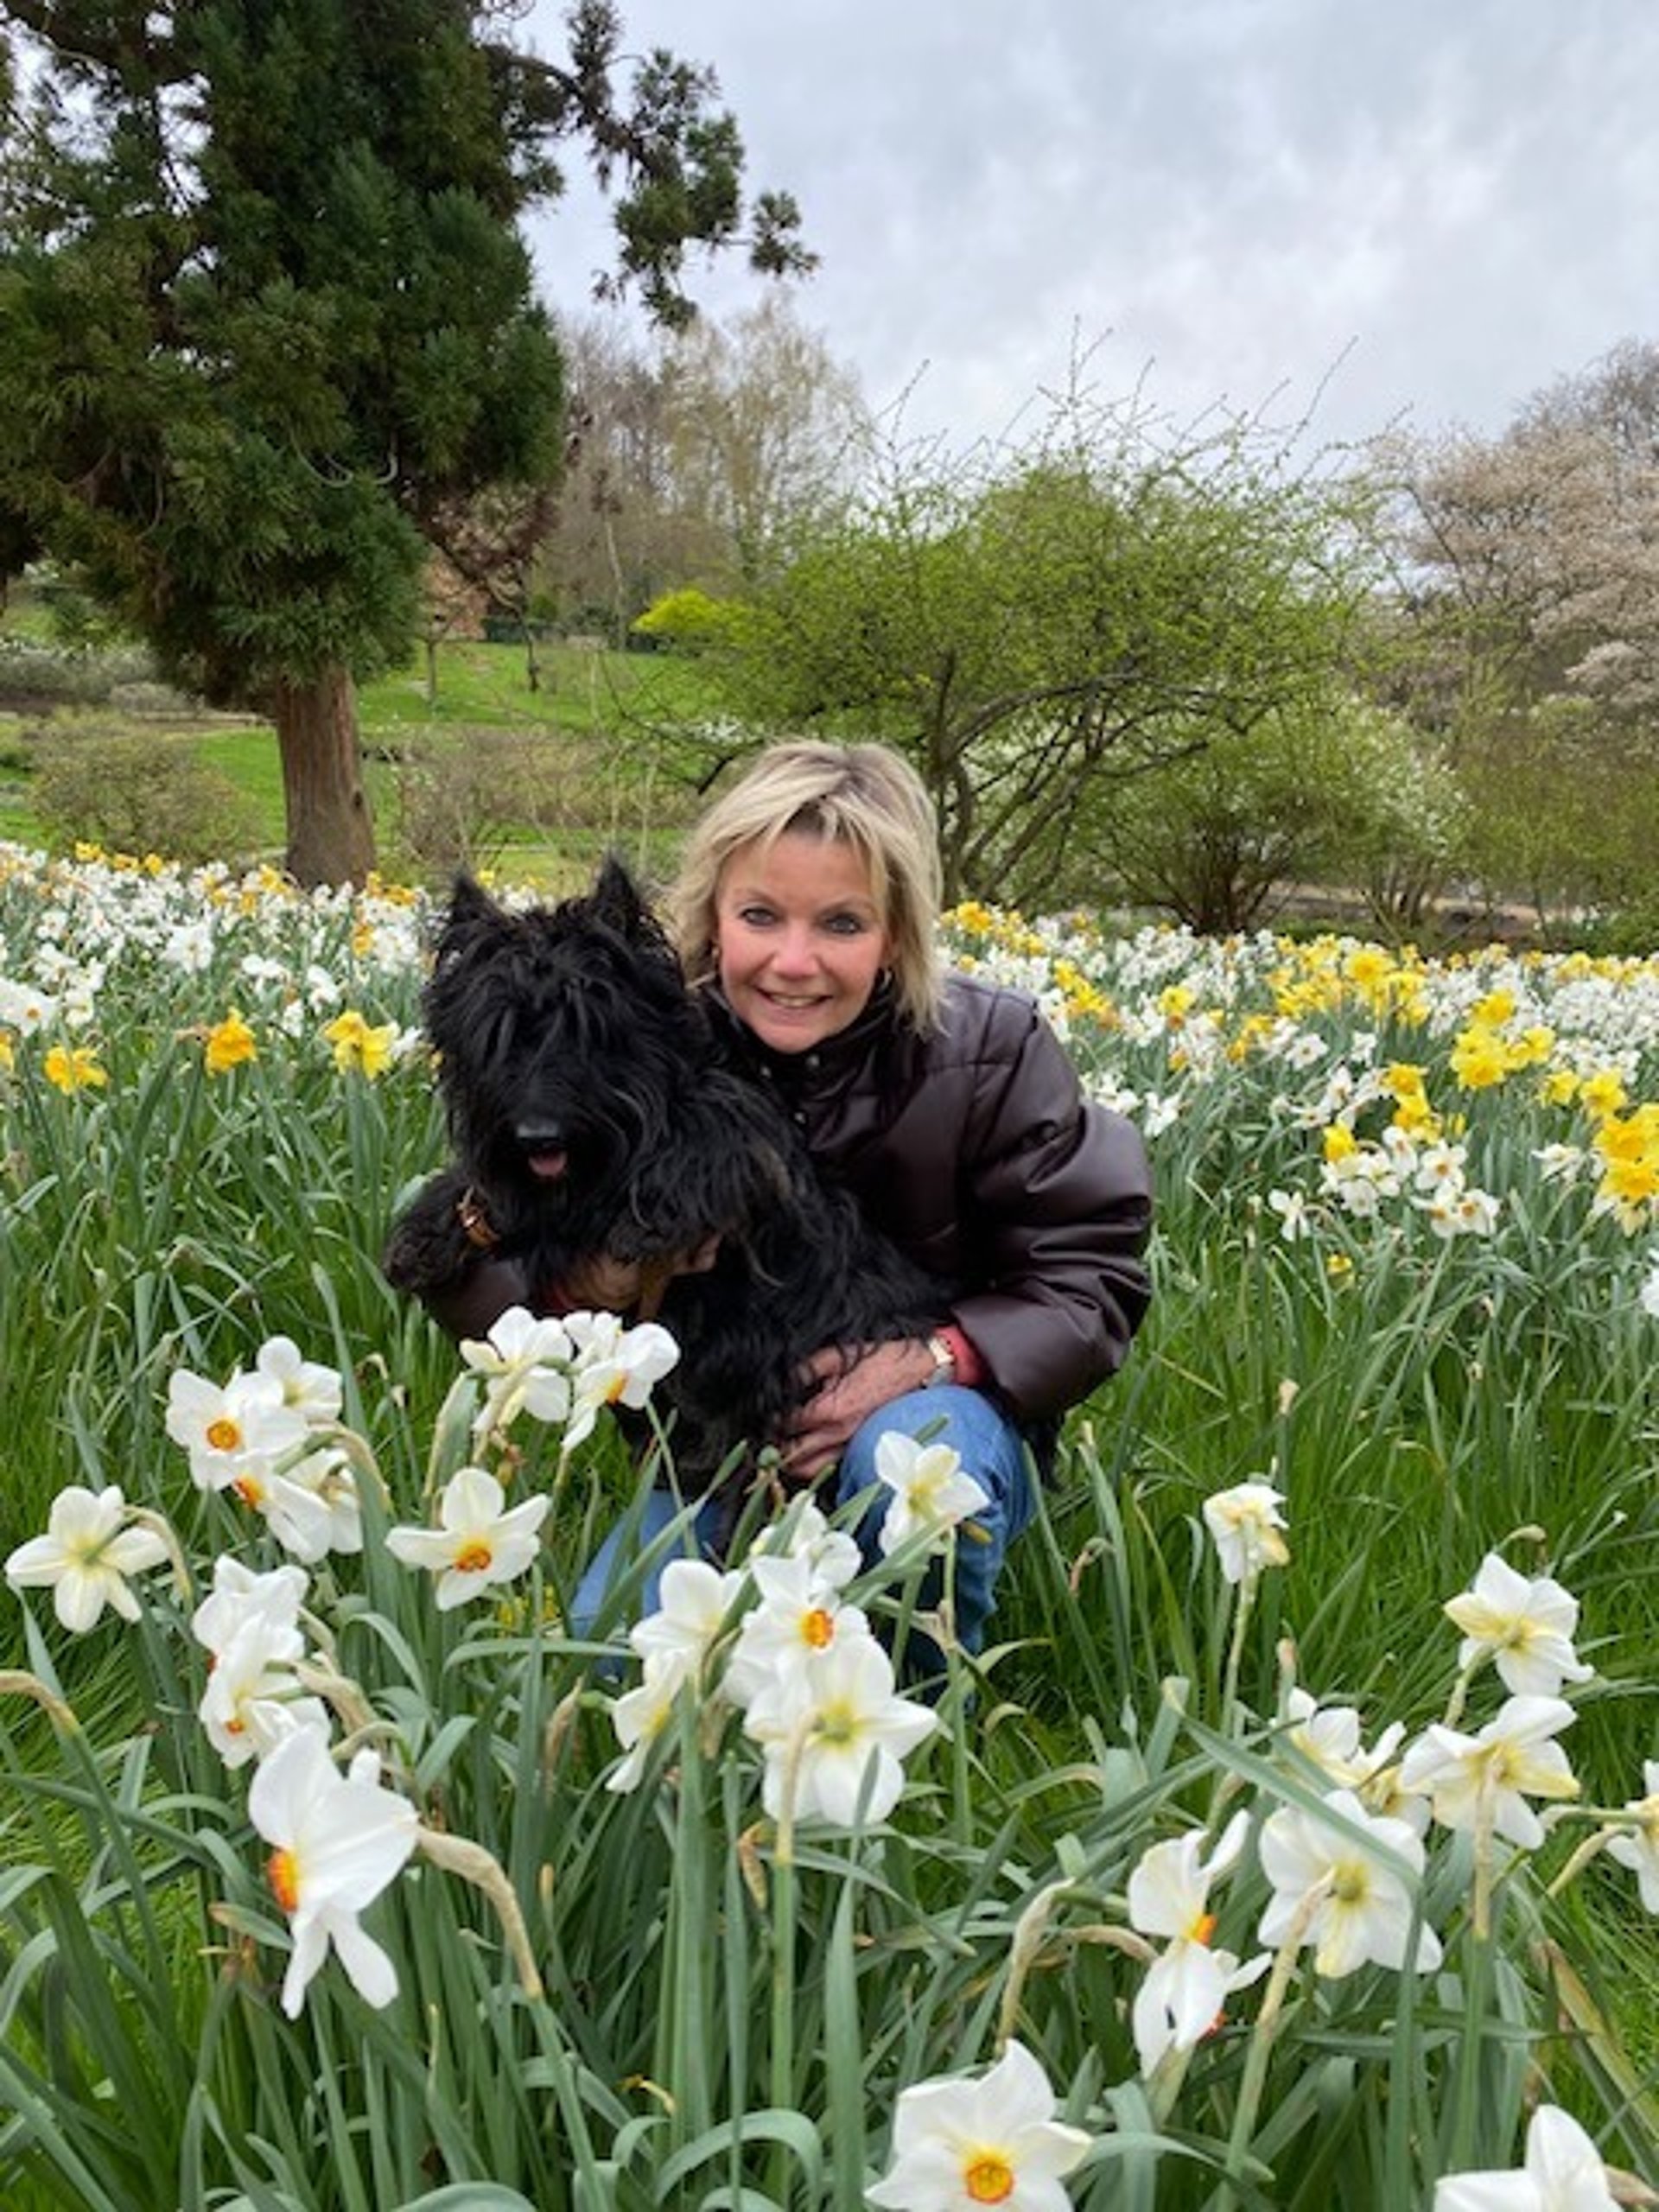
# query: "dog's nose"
{"type": "Point", "coordinates": [541, 1136]}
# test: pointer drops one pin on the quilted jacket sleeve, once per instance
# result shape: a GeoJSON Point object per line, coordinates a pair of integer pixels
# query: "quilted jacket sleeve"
{"type": "Point", "coordinates": [1055, 1195]}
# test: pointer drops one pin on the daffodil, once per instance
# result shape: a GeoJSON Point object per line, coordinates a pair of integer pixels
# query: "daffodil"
{"type": "Point", "coordinates": [253, 1699]}
{"type": "Point", "coordinates": [1248, 1529]}
{"type": "Point", "coordinates": [1513, 1758]}
{"type": "Point", "coordinates": [525, 1363]}
{"type": "Point", "coordinates": [639, 1716]}
{"type": "Point", "coordinates": [89, 1550]}
{"type": "Point", "coordinates": [1329, 1737]}
{"type": "Point", "coordinates": [308, 1388]}
{"type": "Point", "coordinates": [357, 1046]}
{"type": "Point", "coordinates": [1563, 2172]}
{"type": "Point", "coordinates": [958, 2144]}
{"type": "Point", "coordinates": [932, 1490]}
{"type": "Point", "coordinates": [227, 1430]}
{"type": "Point", "coordinates": [1336, 1881]}
{"type": "Point", "coordinates": [71, 1068]}
{"type": "Point", "coordinates": [311, 1505]}
{"type": "Point", "coordinates": [229, 1044]}
{"type": "Point", "coordinates": [1638, 1847]}
{"type": "Point", "coordinates": [614, 1364]}
{"type": "Point", "coordinates": [1182, 1998]}
{"type": "Point", "coordinates": [804, 1532]}
{"type": "Point", "coordinates": [337, 1841]}
{"type": "Point", "coordinates": [837, 1732]}
{"type": "Point", "coordinates": [479, 1541]}
{"type": "Point", "coordinates": [800, 1618]}
{"type": "Point", "coordinates": [695, 1601]}
{"type": "Point", "coordinates": [239, 1594]}
{"type": "Point", "coordinates": [1524, 1624]}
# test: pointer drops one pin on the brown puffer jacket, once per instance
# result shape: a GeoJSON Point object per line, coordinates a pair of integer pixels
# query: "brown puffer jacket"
{"type": "Point", "coordinates": [974, 1149]}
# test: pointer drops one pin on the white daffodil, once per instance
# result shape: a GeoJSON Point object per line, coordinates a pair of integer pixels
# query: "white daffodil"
{"type": "Point", "coordinates": [244, 1424]}
{"type": "Point", "coordinates": [1638, 1847]}
{"type": "Point", "coordinates": [640, 1715]}
{"type": "Point", "coordinates": [88, 1551]}
{"type": "Point", "coordinates": [959, 2143]}
{"type": "Point", "coordinates": [1187, 1985]}
{"type": "Point", "coordinates": [1330, 1868]}
{"type": "Point", "coordinates": [337, 1841]}
{"type": "Point", "coordinates": [313, 1391]}
{"type": "Point", "coordinates": [1648, 1296]}
{"type": "Point", "coordinates": [524, 1365]}
{"type": "Point", "coordinates": [479, 1541]}
{"type": "Point", "coordinates": [311, 1508]}
{"type": "Point", "coordinates": [252, 1701]}
{"type": "Point", "coordinates": [239, 1594]}
{"type": "Point", "coordinates": [1525, 1624]}
{"type": "Point", "coordinates": [932, 1492]}
{"type": "Point", "coordinates": [693, 1602]}
{"type": "Point", "coordinates": [1563, 2173]}
{"type": "Point", "coordinates": [614, 1365]}
{"type": "Point", "coordinates": [1511, 1759]}
{"type": "Point", "coordinates": [804, 1532]}
{"type": "Point", "coordinates": [1248, 1529]}
{"type": "Point", "coordinates": [1329, 1737]}
{"type": "Point", "coordinates": [1294, 1221]}
{"type": "Point", "coordinates": [832, 1728]}
{"type": "Point", "coordinates": [798, 1620]}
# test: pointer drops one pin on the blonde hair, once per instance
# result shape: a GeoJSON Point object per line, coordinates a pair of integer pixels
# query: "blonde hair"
{"type": "Point", "coordinates": [863, 795]}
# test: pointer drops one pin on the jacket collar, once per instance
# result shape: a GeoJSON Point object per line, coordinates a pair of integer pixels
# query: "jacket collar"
{"type": "Point", "coordinates": [822, 1065]}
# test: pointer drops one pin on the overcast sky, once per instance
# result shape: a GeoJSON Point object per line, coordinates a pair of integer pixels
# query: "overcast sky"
{"type": "Point", "coordinates": [1423, 209]}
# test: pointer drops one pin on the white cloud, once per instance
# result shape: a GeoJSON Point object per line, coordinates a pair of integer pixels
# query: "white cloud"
{"type": "Point", "coordinates": [1428, 210]}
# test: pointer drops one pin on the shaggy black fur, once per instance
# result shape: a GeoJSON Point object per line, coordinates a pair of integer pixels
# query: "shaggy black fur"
{"type": "Point", "coordinates": [590, 1112]}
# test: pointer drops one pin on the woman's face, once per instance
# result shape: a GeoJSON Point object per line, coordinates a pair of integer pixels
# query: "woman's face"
{"type": "Point", "coordinates": [799, 938]}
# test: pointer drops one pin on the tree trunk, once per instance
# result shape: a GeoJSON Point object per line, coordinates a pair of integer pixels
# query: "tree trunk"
{"type": "Point", "coordinates": [330, 833]}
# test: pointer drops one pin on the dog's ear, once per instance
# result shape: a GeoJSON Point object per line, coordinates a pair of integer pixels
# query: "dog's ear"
{"type": "Point", "coordinates": [470, 902]}
{"type": "Point", "coordinates": [616, 900]}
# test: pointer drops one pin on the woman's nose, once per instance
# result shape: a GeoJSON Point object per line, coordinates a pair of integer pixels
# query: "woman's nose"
{"type": "Point", "coordinates": [792, 953]}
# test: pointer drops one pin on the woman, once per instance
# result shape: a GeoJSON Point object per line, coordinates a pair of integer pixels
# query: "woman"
{"type": "Point", "coordinates": [805, 908]}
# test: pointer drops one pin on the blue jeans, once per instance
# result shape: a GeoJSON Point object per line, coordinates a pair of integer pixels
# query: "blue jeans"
{"type": "Point", "coordinates": [992, 1450]}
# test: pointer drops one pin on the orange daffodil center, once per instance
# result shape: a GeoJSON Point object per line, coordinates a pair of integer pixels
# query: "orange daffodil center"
{"type": "Point", "coordinates": [989, 2179]}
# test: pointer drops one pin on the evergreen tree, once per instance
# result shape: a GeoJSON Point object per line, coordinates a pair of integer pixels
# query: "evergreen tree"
{"type": "Point", "coordinates": [264, 307]}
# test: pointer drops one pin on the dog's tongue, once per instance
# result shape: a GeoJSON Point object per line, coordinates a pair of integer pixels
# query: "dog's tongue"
{"type": "Point", "coordinates": [547, 1167]}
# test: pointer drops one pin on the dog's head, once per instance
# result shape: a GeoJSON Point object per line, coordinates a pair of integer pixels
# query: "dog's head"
{"type": "Point", "coordinates": [565, 1035]}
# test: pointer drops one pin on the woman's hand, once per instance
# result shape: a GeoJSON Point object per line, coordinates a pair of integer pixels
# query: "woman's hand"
{"type": "Point", "coordinates": [852, 1380]}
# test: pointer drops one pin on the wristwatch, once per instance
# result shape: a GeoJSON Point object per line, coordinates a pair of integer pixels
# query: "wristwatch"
{"type": "Point", "coordinates": [944, 1360]}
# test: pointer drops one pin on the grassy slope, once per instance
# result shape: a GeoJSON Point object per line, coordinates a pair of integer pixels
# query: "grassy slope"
{"type": "Point", "coordinates": [591, 710]}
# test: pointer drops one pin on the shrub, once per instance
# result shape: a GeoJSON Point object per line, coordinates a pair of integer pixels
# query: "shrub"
{"type": "Point", "coordinates": [135, 791]}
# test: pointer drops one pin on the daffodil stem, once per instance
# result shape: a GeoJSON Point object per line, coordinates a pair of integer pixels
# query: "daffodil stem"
{"type": "Point", "coordinates": [1267, 2023]}
{"type": "Point", "coordinates": [1580, 1858]}
{"type": "Point", "coordinates": [13, 1682]}
{"type": "Point", "coordinates": [1241, 1613]}
{"type": "Point", "coordinates": [1454, 1704]}
{"type": "Point", "coordinates": [782, 1948]}
{"type": "Point", "coordinates": [458, 1854]}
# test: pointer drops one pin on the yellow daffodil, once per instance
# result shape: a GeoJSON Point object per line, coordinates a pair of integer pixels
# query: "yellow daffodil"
{"type": "Point", "coordinates": [360, 1046]}
{"type": "Point", "coordinates": [229, 1042]}
{"type": "Point", "coordinates": [71, 1068]}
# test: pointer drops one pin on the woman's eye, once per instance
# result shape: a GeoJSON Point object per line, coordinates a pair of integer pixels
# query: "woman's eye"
{"type": "Point", "coordinates": [844, 925]}
{"type": "Point", "coordinates": [755, 918]}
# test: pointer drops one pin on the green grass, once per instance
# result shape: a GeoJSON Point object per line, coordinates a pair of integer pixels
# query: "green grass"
{"type": "Point", "coordinates": [587, 724]}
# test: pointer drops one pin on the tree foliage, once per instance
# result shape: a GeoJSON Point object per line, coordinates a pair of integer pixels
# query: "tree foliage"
{"type": "Point", "coordinates": [1342, 792]}
{"type": "Point", "coordinates": [1032, 626]}
{"type": "Point", "coordinates": [695, 463]}
{"type": "Point", "coordinates": [267, 313]}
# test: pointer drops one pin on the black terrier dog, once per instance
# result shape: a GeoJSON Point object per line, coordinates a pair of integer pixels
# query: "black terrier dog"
{"type": "Point", "coordinates": [591, 1114]}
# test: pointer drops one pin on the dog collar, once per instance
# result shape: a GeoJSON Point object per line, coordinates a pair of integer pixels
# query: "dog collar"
{"type": "Point", "coordinates": [476, 1225]}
